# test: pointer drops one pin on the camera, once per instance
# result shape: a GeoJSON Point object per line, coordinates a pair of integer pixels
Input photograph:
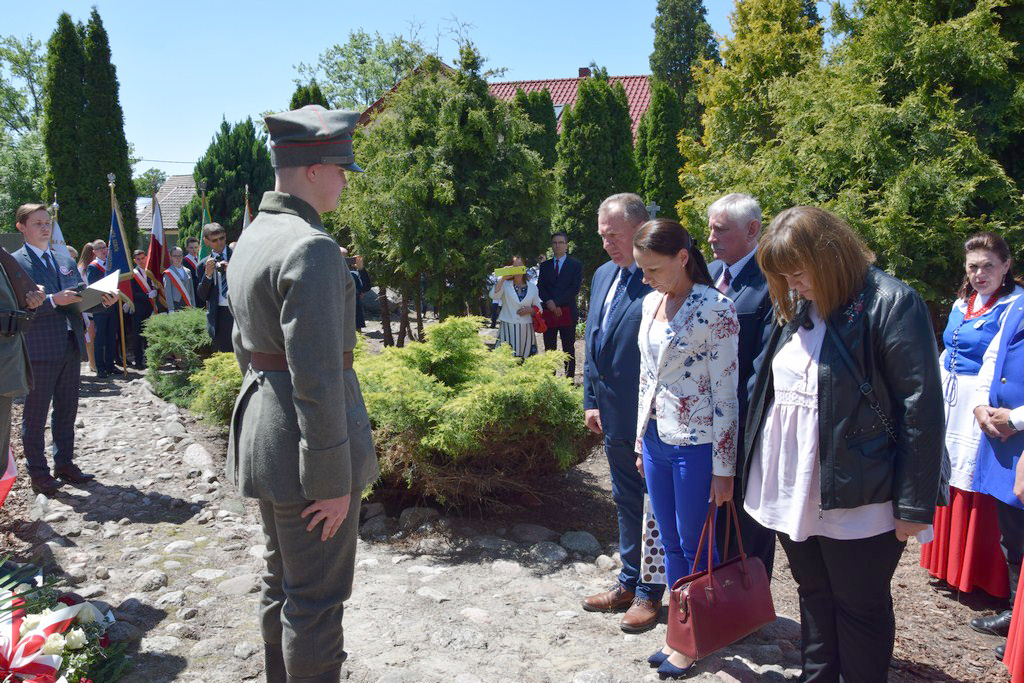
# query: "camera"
{"type": "Point", "coordinates": [222, 265]}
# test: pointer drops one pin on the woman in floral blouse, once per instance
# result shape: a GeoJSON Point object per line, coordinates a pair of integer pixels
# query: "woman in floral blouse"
{"type": "Point", "coordinates": [687, 420]}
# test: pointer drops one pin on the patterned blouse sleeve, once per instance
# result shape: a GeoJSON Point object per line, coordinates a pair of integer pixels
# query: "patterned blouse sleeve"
{"type": "Point", "coordinates": [723, 350]}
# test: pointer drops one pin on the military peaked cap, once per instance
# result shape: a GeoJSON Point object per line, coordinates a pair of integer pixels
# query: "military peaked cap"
{"type": "Point", "coordinates": [312, 135]}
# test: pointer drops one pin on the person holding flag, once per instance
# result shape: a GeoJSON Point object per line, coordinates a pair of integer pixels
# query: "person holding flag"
{"type": "Point", "coordinates": [144, 293]}
{"type": "Point", "coordinates": [156, 256]}
{"type": "Point", "coordinates": [178, 287]}
{"type": "Point", "coordinates": [191, 260]}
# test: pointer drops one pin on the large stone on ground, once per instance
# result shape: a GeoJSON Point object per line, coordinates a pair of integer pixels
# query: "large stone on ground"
{"type": "Point", "coordinates": [413, 518]}
{"type": "Point", "coordinates": [548, 552]}
{"type": "Point", "coordinates": [532, 533]}
{"type": "Point", "coordinates": [198, 457]}
{"type": "Point", "coordinates": [580, 542]}
{"type": "Point", "coordinates": [150, 581]}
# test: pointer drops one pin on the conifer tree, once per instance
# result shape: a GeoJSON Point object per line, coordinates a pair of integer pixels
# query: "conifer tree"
{"type": "Point", "coordinates": [308, 94]}
{"type": "Point", "coordinates": [451, 189]}
{"type": "Point", "coordinates": [595, 160]}
{"type": "Point", "coordinates": [538, 108]}
{"type": "Point", "coordinates": [657, 149]}
{"type": "Point", "coordinates": [104, 147]}
{"type": "Point", "coordinates": [62, 135]}
{"type": "Point", "coordinates": [236, 157]}
{"type": "Point", "coordinates": [682, 39]}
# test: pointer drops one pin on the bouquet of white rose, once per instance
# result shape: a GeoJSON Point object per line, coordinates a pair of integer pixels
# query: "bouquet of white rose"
{"type": "Point", "coordinates": [47, 636]}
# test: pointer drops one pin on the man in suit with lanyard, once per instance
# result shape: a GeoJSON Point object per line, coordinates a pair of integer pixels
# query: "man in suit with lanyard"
{"type": "Point", "coordinates": [559, 285]}
{"type": "Point", "coordinates": [611, 381]}
{"type": "Point", "coordinates": [213, 286]}
{"type": "Point", "coordinates": [734, 225]}
{"type": "Point", "coordinates": [56, 342]}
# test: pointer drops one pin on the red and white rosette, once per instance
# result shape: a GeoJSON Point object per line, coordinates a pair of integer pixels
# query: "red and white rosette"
{"type": "Point", "coordinates": [21, 655]}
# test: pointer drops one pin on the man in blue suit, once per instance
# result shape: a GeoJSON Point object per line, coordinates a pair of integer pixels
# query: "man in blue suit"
{"type": "Point", "coordinates": [559, 285]}
{"type": "Point", "coordinates": [734, 225]}
{"type": "Point", "coordinates": [611, 379]}
{"type": "Point", "coordinates": [55, 342]}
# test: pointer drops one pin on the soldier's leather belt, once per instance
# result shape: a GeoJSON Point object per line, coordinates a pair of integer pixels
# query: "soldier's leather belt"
{"type": "Point", "coordinates": [278, 362]}
{"type": "Point", "coordinates": [13, 322]}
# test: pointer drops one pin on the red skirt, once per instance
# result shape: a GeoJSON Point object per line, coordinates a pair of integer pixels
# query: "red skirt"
{"type": "Point", "coordinates": [966, 553]}
{"type": "Point", "coordinates": [1014, 656]}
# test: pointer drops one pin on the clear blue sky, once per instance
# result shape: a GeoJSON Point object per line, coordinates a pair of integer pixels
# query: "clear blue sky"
{"type": "Point", "coordinates": [184, 65]}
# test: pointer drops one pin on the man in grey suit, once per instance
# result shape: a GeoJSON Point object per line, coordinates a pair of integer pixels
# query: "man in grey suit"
{"type": "Point", "coordinates": [178, 286]}
{"type": "Point", "coordinates": [734, 226]}
{"type": "Point", "coordinates": [300, 439]}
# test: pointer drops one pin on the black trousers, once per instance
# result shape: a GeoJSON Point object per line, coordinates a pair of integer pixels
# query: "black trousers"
{"type": "Point", "coordinates": [55, 382]}
{"type": "Point", "coordinates": [568, 336]}
{"type": "Point", "coordinates": [847, 625]}
{"type": "Point", "coordinates": [1011, 538]}
{"type": "Point", "coordinates": [106, 340]}
{"type": "Point", "coordinates": [138, 338]}
{"type": "Point", "coordinates": [225, 326]}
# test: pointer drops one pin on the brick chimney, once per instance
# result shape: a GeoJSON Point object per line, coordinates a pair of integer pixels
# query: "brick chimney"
{"type": "Point", "coordinates": [584, 72]}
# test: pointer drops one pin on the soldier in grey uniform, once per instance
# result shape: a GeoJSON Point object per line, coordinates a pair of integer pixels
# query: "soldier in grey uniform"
{"type": "Point", "coordinates": [300, 438]}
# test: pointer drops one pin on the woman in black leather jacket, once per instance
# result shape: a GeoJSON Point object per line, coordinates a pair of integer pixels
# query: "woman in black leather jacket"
{"type": "Point", "coordinates": [844, 436]}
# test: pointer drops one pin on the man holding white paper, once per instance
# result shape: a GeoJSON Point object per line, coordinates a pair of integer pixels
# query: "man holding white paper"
{"type": "Point", "coordinates": [55, 343]}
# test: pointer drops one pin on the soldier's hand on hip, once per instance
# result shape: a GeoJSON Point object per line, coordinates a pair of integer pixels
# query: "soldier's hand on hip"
{"type": "Point", "coordinates": [331, 511]}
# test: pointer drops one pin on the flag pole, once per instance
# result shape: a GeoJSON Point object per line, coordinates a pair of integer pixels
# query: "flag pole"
{"type": "Point", "coordinates": [120, 308]}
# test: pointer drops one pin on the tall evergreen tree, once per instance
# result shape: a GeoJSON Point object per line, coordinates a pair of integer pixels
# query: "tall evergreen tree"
{"type": "Point", "coordinates": [682, 39]}
{"type": "Point", "coordinates": [104, 147]}
{"type": "Point", "coordinates": [308, 94]}
{"type": "Point", "coordinates": [451, 189]}
{"type": "Point", "coordinates": [657, 149]}
{"type": "Point", "coordinates": [595, 160]}
{"type": "Point", "coordinates": [236, 157]}
{"type": "Point", "coordinates": [62, 134]}
{"type": "Point", "coordinates": [538, 108]}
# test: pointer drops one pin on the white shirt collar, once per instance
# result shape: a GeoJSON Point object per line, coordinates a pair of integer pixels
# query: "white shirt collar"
{"type": "Point", "coordinates": [39, 252]}
{"type": "Point", "coordinates": [736, 268]}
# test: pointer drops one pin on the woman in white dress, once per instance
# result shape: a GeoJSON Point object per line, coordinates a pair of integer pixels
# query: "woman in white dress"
{"type": "Point", "coordinates": [518, 297]}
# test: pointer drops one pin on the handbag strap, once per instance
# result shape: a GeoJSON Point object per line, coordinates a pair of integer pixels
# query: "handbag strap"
{"type": "Point", "coordinates": [708, 533]}
{"type": "Point", "coordinates": [863, 384]}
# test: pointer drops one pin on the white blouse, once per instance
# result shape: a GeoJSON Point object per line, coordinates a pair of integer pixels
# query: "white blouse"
{"type": "Point", "coordinates": [788, 500]}
{"type": "Point", "coordinates": [657, 337]}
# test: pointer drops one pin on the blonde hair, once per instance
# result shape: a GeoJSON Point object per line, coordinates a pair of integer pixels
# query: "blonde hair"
{"type": "Point", "coordinates": [821, 245]}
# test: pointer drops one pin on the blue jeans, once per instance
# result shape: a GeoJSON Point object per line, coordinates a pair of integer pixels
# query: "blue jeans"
{"type": "Point", "coordinates": [679, 484]}
{"type": "Point", "coordinates": [628, 494]}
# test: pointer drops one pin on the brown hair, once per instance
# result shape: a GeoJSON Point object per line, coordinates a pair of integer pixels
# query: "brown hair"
{"type": "Point", "coordinates": [822, 245]}
{"type": "Point", "coordinates": [667, 237]}
{"type": "Point", "coordinates": [26, 210]}
{"type": "Point", "coordinates": [211, 230]}
{"type": "Point", "coordinates": [989, 241]}
{"type": "Point", "coordinates": [87, 255]}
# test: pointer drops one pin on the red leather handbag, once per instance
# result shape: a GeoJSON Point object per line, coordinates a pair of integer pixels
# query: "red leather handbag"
{"type": "Point", "coordinates": [538, 321]}
{"type": "Point", "coordinates": [720, 605]}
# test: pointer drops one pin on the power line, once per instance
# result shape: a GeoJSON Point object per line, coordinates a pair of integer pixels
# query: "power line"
{"type": "Point", "coordinates": [164, 161]}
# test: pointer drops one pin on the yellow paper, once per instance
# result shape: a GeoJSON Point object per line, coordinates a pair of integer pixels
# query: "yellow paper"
{"type": "Point", "coordinates": [509, 271]}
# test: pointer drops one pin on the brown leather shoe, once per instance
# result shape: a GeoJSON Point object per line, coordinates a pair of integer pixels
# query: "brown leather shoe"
{"type": "Point", "coordinates": [45, 484]}
{"type": "Point", "coordinates": [641, 616]}
{"type": "Point", "coordinates": [615, 600]}
{"type": "Point", "coordinates": [73, 474]}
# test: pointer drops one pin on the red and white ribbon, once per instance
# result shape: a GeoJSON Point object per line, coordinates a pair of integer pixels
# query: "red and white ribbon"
{"type": "Point", "coordinates": [21, 655]}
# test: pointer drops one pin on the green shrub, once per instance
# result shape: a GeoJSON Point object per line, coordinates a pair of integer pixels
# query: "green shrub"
{"type": "Point", "coordinates": [177, 344]}
{"type": "Point", "coordinates": [464, 425]}
{"type": "Point", "coordinates": [216, 387]}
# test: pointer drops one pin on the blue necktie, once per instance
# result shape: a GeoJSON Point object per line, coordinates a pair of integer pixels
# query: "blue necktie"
{"type": "Point", "coordinates": [620, 290]}
{"type": "Point", "coordinates": [223, 283]}
{"type": "Point", "coordinates": [54, 279]}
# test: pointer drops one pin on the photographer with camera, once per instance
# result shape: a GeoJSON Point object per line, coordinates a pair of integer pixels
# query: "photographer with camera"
{"type": "Point", "coordinates": [213, 286]}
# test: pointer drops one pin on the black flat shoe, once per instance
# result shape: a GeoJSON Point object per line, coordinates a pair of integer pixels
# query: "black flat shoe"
{"type": "Point", "coordinates": [999, 651]}
{"type": "Point", "coordinates": [995, 625]}
{"type": "Point", "coordinates": [73, 474]}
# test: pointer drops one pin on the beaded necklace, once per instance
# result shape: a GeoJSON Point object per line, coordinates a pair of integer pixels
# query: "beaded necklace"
{"type": "Point", "coordinates": [972, 314]}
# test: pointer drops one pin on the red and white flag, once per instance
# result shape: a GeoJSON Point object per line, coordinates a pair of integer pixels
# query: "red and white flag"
{"type": "Point", "coordinates": [157, 260]}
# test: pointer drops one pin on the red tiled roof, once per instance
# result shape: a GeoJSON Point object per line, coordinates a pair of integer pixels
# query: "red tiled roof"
{"type": "Point", "coordinates": [176, 192]}
{"type": "Point", "coordinates": [563, 92]}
